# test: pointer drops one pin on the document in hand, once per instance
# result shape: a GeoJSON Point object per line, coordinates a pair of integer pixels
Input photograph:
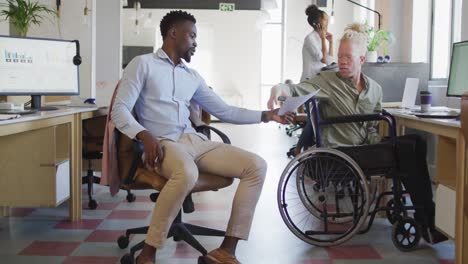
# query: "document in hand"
{"type": "Point", "coordinates": [292, 103]}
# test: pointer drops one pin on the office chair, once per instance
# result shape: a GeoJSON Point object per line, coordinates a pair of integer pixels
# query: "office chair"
{"type": "Point", "coordinates": [93, 135]}
{"type": "Point", "coordinates": [135, 176]}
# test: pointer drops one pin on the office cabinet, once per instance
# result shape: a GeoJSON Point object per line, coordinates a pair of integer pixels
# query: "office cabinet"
{"type": "Point", "coordinates": [35, 167]}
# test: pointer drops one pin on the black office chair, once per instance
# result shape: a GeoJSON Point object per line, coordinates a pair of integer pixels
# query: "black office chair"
{"type": "Point", "coordinates": [136, 177]}
{"type": "Point", "coordinates": [93, 136]}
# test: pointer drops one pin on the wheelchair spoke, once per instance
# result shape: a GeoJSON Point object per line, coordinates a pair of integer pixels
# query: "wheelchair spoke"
{"type": "Point", "coordinates": [319, 200]}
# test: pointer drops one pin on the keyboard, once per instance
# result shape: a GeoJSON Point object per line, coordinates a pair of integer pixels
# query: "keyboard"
{"type": "Point", "coordinates": [437, 114]}
{"type": "Point", "coordinates": [17, 112]}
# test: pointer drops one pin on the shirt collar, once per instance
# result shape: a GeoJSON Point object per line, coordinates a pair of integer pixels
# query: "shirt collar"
{"type": "Point", "coordinates": [162, 55]}
{"type": "Point", "coordinates": [350, 82]}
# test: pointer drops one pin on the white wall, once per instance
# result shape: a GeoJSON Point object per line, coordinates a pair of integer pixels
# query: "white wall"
{"type": "Point", "coordinates": [108, 49]}
{"type": "Point", "coordinates": [228, 53]}
{"type": "Point", "coordinates": [397, 17]}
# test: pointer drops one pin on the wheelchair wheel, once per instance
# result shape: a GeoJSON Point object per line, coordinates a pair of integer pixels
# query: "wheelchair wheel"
{"type": "Point", "coordinates": [391, 217]}
{"type": "Point", "coordinates": [406, 234]}
{"type": "Point", "coordinates": [323, 197]}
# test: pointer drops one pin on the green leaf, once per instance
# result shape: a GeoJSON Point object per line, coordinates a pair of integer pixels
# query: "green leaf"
{"type": "Point", "coordinates": [23, 13]}
{"type": "Point", "coordinates": [378, 38]}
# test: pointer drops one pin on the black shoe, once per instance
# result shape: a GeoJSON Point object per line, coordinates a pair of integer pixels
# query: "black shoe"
{"type": "Point", "coordinates": [433, 236]}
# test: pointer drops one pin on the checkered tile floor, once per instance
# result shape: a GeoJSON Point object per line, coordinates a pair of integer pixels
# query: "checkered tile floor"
{"type": "Point", "coordinates": [44, 235]}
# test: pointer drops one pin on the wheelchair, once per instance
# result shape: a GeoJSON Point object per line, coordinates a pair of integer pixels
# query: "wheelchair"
{"type": "Point", "coordinates": [324, 194]}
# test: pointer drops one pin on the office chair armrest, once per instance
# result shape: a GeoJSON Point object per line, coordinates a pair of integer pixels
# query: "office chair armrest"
{"type": "Point", "coordinates": [223, 136]}
{"type": "Point", "coordinates": [188, 206]}
{"type": "Point", "coordinates": [138, 150]}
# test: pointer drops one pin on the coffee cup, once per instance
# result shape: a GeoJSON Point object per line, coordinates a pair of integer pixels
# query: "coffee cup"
{"type": "Point", "coordinates": [426, 101]}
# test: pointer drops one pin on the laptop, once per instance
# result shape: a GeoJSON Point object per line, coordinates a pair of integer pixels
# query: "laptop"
{"type": "Point", "coordinates": [409, 94]}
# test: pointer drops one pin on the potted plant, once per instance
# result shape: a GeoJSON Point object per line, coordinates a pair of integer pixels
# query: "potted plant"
{"type": "Point", "coordinates": [23, 13]}
{"type": "Point", "coordinates": [377, 38]}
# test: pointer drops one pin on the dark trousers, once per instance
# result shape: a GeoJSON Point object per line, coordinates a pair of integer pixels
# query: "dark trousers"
{"type": "Point", "coordinates": [411, 154]}
{"type": "Point", "coordinates": [412, 169]}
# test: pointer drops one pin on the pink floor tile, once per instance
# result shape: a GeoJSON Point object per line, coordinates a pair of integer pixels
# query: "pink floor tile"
{"type": "Point", "coordinates": [353, 252]}
{"type": "Point", "coordinates": [101, 206]}
{"type": "Point", "coordinates": [81, 224]}
{"type": "Point", "coordinates": [129, 214]}
{"type": "Point", "coordinates": [143, 198]}
{"type": "Point", "coordinates": [93, 260]}
{"type": "Point", "coordinates": [48, 248]}
{"type": "Point", "coordinates": [183, 250]}
{"type": "Point", "coordinates": [105, 236]}
{"type": "Point", "coordinates": [21, 212]}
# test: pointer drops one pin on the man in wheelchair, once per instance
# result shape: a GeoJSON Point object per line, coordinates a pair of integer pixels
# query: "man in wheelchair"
{"type": "Point", "coordinates": [349, 92]}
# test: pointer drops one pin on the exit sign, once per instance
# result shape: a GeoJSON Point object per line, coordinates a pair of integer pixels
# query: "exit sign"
{"type": "Point", "coordinates": [227, 7]}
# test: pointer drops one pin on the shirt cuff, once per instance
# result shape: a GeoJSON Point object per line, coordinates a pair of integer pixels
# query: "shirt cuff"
{"type": "Point", "coordinates": [132, 131]}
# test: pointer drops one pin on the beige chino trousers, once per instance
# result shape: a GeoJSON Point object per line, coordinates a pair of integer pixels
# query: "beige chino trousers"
{"type": "Point", "coordinates": [182, 162]}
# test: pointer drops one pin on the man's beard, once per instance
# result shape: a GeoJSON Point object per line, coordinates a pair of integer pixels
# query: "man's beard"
{"type": "Point", "coordinates": [188, 56]}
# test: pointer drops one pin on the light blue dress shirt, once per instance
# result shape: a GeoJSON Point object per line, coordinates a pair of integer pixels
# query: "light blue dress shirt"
{"type": "Point", "coordinates": [160, 92]}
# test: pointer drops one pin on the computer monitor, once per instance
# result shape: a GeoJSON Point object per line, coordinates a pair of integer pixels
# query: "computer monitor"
{"type": "Point", "coordinates": [36, 67]}
{"type": "Point", "coordinates": [458, 79]}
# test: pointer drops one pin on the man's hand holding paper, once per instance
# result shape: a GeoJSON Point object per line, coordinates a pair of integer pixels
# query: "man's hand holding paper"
{"type": "Point", "coordinates": [292, 103]}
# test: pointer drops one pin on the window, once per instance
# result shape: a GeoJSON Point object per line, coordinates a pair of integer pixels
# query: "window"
{"type": "Point", "coordinates": [272, 46]}
{"type": "Point", "coordinates": [445, 30]}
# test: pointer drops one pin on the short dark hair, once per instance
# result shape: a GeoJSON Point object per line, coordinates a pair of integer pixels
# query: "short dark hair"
{"type": "Point", "coordinates": [172, 18]}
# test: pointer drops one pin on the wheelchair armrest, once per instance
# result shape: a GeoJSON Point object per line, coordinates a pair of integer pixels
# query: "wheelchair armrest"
{"type": "Point", "coordinates": [381, 116]}
{"type": "Point", "coordinates": [223, 136]}
{"type": "Point", "coordinates": [351, 119]}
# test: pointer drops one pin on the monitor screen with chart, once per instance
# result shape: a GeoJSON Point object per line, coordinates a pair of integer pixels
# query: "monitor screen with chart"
{"type": "Point", "coordinates": [458, 79]}
{"type": "Point", "coordinates": [31, 66]}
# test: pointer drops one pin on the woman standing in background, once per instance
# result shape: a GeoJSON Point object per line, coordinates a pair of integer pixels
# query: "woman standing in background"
{"type": "Point", "coordinates": [315, 53]}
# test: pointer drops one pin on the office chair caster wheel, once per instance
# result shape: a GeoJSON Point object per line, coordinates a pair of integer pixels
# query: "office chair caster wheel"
{"type": "Point", "coordinates": [123, 242]}
{"type": "Point", "coordinates": [131, 197]}
{"type": "Point", "coordinates": [126, 259]}
{"type": "Point", "coordinates": [406, 234]}
{"type": "Point", "coordinates": [92, 204]}
{"type": "Point", "coordinates": [201, 260]}
{"type": "Point", "coordinates": [154, 197]}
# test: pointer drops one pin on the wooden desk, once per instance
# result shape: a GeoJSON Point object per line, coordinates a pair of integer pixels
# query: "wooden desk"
{"type": "Point", "coordinates": [450, 162]}
{"type": "Point", "coordinates": [63, 128]}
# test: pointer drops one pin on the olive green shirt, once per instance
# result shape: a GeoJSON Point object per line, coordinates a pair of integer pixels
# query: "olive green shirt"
{"type": "Point", "coordinates": [339, 97]}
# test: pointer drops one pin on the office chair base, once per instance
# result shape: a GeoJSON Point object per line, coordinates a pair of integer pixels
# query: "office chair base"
{"type": "Point", "coordinates": [127, 259]}
{"type": "Point", "coordinates": [130, 197]}
{"type": "Point", "coordinates": [92, 204]}
{"type": "Point", "coordinates": [90, 179]}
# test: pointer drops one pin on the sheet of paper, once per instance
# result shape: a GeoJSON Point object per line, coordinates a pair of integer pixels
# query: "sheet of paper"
{"type": "Point", "coordinates": [292, 103]}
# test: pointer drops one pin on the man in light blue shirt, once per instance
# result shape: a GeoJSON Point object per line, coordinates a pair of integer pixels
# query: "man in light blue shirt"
{"type": "Point", "coordinates": [160, 87]}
